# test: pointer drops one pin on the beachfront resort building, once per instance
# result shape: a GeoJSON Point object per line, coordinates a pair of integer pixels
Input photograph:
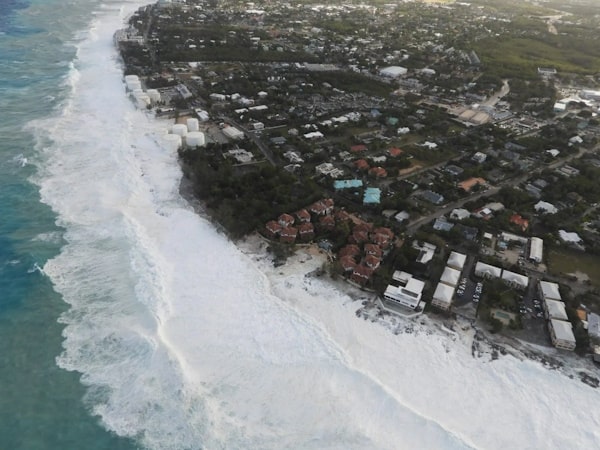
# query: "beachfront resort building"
{"type": "Point", "coordinates": [561, 333]}
{"type": "Point", "coordinates": [405, 291]}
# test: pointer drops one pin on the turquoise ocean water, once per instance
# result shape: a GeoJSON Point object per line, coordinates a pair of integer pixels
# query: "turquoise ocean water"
{"type": "Point", "coordinates": [41, 405]}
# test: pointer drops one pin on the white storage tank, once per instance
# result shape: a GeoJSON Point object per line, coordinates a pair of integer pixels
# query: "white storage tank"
{"type": "Point", "coordinates": [195, 139]}
{"type": "Point", "coordinates": [193, 124]}
{"type": "Point", "coordinates": [179, 129]}
{"type": "Point", "coordinates": [133, 84]}
{"type": "Point", "coordinates": [172, 141]}
{"type": "Point", "coordinates": [154, 95]}
{"type": "Point", "coordinates": [142, 100]}
{"type": "Point", "coordinates": [131, 78]}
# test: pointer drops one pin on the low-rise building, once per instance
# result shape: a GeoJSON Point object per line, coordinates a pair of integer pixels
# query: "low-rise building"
{"type": "Point", "coordinates": [553, 309]}
{"type": "Point", "coordinates": [536, 249]}
{"type": "Point", "coordinates": [549, 291]}
{"type": "Point", "coordinates": [442, 297]}
{"type": "Point", "coordinates": [456, 260]}
{"type": "Point", "coordinates": [515, 280]}
{"type": "Point", "coordinates": [488, 271]}
{"type": "Point", "coordinates": [407, 292]}
{"type": "Point", "coordinates": [561, 334]}
{"type": "Point", "coordinates": [450, 277]}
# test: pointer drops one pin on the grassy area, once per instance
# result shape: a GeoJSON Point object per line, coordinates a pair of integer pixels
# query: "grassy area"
{"type": "Point", "coordinates": [520, 57]}
{"type": "Point", "coordinates": [564, 261]}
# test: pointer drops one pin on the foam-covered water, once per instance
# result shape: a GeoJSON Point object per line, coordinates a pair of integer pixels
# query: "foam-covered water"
{"type": "Point", "coordinates": [184, 342]}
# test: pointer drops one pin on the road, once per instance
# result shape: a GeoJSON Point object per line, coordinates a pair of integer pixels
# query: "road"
{"type": "Point", "coordinates": [496, 96]}
{"type": "Point", "coordinates": [266, 151]}
{"type": "Point", "coordinates": [514, 181]}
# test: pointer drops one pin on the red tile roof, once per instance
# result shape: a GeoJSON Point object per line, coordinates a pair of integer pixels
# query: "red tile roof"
{"type": "Point", "coordinates": [395, 152]}
{"type": "Point", "coordinates": [288, 235]}
{"type": "Point", "coordinates": [348, 263]}
{"type": "Point", "coordinates": [349, 250]}
{"type": "Point", "coordinates": [361, 274]}
{"type": "Point", "coordinates": [378, 172]}
{"type": "Point", "coordinates": [303, 215]}
{"type": "Point", "coordinates": [361, 164]}
{"type": "Point", "coordinates": [519, 221]}
{"type": "Point", "coordinates": [358, 148]}
{"type": "Point", "coordinates": [285, 220]}
{"type": "Point", "coordinates": [273, 228]}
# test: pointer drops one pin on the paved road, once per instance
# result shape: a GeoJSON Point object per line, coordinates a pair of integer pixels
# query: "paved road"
{"type": "Point", "coordinates": [515, 181]}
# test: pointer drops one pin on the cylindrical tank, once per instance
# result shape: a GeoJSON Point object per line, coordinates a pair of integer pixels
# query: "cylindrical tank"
{"type": "Point", "coordinates": [154, 95]}
{"type": "Point", "coordinates": [172, 141]}
{"type": "Point", "coordinates": [131, 78]}
{"type": "Point", "coordinates": [192, 124]}
{"type": "Point", "coordinates": [179, 129]}
{"type": "Point", "coordinates": [195, 139]}
{"type": "Point", "coordinates": [142, 100]}
{"type": "Point", "coordinates": [133, 85]}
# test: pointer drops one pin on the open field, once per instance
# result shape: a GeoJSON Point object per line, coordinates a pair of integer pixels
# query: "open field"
{"type": "Point", "coordinates": [564, 261]}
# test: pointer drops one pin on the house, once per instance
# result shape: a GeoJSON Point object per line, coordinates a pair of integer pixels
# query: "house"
{"type": "Point", "coordinates": [382, 236]}
{"type": "Point", "coordinates": [553, 309]}
{"type": "Point", "coordinates": [372, 262]}
{"type": "Point", "coordinates": [442, 297]}
{"type": "Point", "coordinates": [362, 165]}
{"type": "Point", "coordinates": [468, 233]}
{"type": "Point", "coordinates": [453, 170]}
{"type": "Point", "coordinates": [406, 292]}
{"type": "Point", "coordinates": [468, 184]}
{"type": "Point", "coordinates": [545, 208]}
{"type": "Point", "coordinates": [303, 216]}
{"type": "Point", "coordinates": [395, 152]}
{"type": "Point", "coordinates": [322, 207]}
{"type": "Point", "coordinates": [488, 271]}
{"type": "Point", "coordinates": [359, 148]}
{"type": "Point", "coordinates": [361, 274]}
{"type": "Point", "coordinates": [288, 235]}
{"type": "Point", "coordinates": [286, 220]}
{"type": "Point", "coordinates": [459, 214]}
{"type": "Point", "coordinates": [441, 224]}
{"type": "Point", "coordinates": [432, 197]}
{"type": "Point", "coordinates": [349, 250]}
{"type": "Point", "coordinates": [402, 216]}
{"type": "Point", "coordinates": [561, 334]}
{"type": "Point", "coordinates": [306, 231]}
{"type": "Point", "coordinates": [569, 237]}
{"type": "Point", "coordinates": [479, 157]}
{"type": "Point", "coordinates": [483, 213]}
{"type": "Point", "coordinates": [328, 169]}
{"type": "Point", "coordinates": [273, 229]}
{"type": "Point", "coordinates": [348, 263]}
{"type": "Point", "coordinates": [378, 172]}
{"type": "Point", "coordinates": [519, 221]}
{"type": "Point", "coordinates": [426, 251]}
{"type": "Point", "coordinates": [374, 250]}
{"type": "Point", "coordinates": [327, 223]}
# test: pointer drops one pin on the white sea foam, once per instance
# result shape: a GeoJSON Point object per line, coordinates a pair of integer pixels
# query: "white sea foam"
{"type": "Point", "coordinates": [184, 342]}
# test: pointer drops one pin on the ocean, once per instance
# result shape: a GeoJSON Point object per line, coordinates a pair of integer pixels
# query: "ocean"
{"type": "Point", "coordinates": [128, 321]}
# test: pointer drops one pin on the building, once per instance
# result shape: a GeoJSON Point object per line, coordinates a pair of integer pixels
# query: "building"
{"type": "Point", "coordinates": [536, 249]}
{"type": "Point", "coordinates": [545, 208]}
{"type": "Point", "coordinates": [426, 251]}
{"type": "Point", "coordinates": [459, 214]}
{"type": "Point", "coordinates": [233, 133]}
{"type": "Point", "coordinates": [393, 71]}
{"type": "Point", "coordinates": [407, 292]}
{"type": "Point", "coordinates": [442, 297]}
{"type": "Point", "coordinates": [553, 309]}
{"type": "Point", "coordinates": [594, 334]}
{"type": "Point", "coordinates": [549, 291]}
{"type": "Point", "coordinates": [484, 270]}
{"type": "Point", "coordinates": [561, 333]}
{"type": "Point", "coordinates": [456, 261]}
{"type": "Point", "coordinates": [515, 280]}
{"type": "Point", "coordinates": [450, 277]}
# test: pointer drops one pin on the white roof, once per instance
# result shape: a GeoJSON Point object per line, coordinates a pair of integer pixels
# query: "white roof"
{"type": "Point", "coordinates": [594, 325]}
{"type": "Point", "coordinates": [460, 213]}
{"type": "Point", "coordinates": [569, 236]}
{"type": "Point", "coordinates": [536, 249]}
{"type": "Point", "coordinates": [562, 330]}
{"type": "Point", "coordinates": [550, 290]}
{"type": "Point", "coordinates": [545, 207]}
{"type": "Point", "coordinates": [556, 310]}
{"type": "Point", "coordinates": [415, 286]}
{"type": "Point", "coordinates": [450, 276]}
{"type": "Point", "coordinates": [443, 293]}
{"type": "Point", "coordinates": [401, 276]}
{"type": "Point", "coordinates": [393, 71]}
{"type": "Point", "coordinates": [515, 278]}
{"type": "Point", "coordinates": [456, 260]}
{"type": "Point", "coordinates": [486, 268]}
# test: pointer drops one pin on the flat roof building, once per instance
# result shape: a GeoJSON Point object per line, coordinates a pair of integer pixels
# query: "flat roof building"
{"type": "Point", "coordinates": [456, 260]}
{"type": "Point", "coordinates": [487, 271]}
{"type": "Point", "coordinates": [536, 249]}
{"type": "Point", "coordinates": [408, 293]}
{"type": "Point", "coordinates": [442, 297]}
{"type": "Point", "coordinates": [561, 333]}
{"type": "Point", "coordinates": [514, 279]}
{"type": "Point", "coordinates": [549, 291]}
{"type": "Point", "coordinates": [555, 310]}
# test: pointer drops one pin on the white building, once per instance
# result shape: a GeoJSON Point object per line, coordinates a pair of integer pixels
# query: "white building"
{"type": "Point", "coordinates": [456, 260]}
{"type": "Point", "coordinates": [442, 297]}
{"type": "Point", "coordinates": [233, 133]}
{"type": "Point", "coordinates": [408, 293]}
{"type": "Point", "coordinates": [459, 214]}
{"type": "Point", "coordinates": [536, 249]}
{"type": "Point", "coordinates": [426, 251]}
{"type": "Point", "coordinates": [553, 309]}
{"type": "Point", "coordinates": [561, 333]}
{"type": "Point", "coordinates": [450, 276]}
{"type": "Point", "coordinates": [393, 71]}
{"type": "Point", "coordinates": [549, 291]}
{"type": "Point", "coordinates": [545, 207]}
{"type": "Point", "coordinates": [514, 279]}
{"type": "Point", "coordinates": [487, 271]}
{"type": "Point", "coordinates": [569, 237]}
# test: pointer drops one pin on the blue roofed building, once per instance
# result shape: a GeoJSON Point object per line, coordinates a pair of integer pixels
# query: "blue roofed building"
{"type": "Point", "coordinates": [372, 196]}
